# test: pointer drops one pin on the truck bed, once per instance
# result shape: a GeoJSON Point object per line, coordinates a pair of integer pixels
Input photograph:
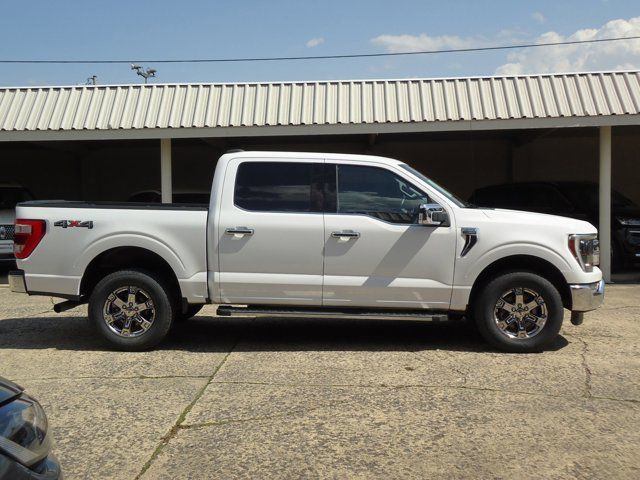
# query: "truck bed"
{"type": "Point", "coordinates": [78, 233]}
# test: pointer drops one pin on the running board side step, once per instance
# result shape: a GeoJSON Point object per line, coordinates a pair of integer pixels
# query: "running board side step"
{"type": "Point", "coordinates": [251, 311]}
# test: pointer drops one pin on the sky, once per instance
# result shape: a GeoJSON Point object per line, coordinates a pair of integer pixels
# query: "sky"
{"type": "Point", "coordinates": [142, 30]}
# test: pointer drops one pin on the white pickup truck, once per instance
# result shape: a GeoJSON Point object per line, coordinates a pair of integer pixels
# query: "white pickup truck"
{"type": "Point", "coordinates": [310, 235]}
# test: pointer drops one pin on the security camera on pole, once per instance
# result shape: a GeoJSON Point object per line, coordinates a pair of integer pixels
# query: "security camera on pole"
{"type": "Point", "coordinates": [149, 72]}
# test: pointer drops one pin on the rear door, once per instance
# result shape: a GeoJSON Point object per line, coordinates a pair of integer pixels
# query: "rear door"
{"type": "Point", "coordinates": [271, 232]}
{"type": "Point", "coordinates": [376, 255]}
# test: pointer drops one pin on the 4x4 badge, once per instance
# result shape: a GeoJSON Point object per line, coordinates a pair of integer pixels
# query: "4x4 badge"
{"type": "Point", "coordinates": [73, 223]}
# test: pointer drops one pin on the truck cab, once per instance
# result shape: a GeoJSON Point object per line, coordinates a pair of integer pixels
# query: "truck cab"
{"type": "Point", "coordinates": [315, 235]}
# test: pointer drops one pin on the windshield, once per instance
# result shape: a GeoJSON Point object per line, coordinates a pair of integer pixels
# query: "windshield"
{"type": "Point", "coordinates": [10, 196]}
{"type": "Point", "coordinates": [435, 186]}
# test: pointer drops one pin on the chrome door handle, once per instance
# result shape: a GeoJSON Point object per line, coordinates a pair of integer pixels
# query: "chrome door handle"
{"type": "Point", "coordinates": [239, 231]}
{"type": "Point", "coordinates": [345, 234]}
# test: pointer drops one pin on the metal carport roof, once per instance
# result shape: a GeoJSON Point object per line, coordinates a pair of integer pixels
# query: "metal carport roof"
{"type": "Point", "coordinates": [326, 107]}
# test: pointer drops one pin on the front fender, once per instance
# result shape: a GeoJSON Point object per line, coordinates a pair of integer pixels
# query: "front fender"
{"type": "Point", "coordinates": [475, 266]}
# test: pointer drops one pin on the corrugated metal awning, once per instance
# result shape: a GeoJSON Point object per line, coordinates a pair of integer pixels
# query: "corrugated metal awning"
{"type": "Point", "coordinates": [363, 106]}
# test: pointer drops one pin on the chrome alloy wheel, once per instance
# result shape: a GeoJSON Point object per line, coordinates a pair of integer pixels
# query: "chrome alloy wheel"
{"type": "Point", "coordinates": [129, 311]}
{"type": "Point", "coordinates": [520, 313]}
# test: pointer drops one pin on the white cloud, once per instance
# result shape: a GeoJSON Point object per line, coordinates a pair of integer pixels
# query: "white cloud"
{"type": "Point", "coordinates": [416, 43]}
{"type": "Point", "coordinates": [594, 56]}
{"type": "Point", "coordinates": [314, 42]}
{"type": "Point", "coordinates": [538, 17]}
{"type": "Point", "coordinates": [616, 55]}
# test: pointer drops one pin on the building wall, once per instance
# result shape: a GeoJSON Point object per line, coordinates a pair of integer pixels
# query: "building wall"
{"type": "Point", "coordinates": [626, 164]}
{"type": "Point", "coordinates": [49, 171]}
{"type": "Point", "coordinates": [117, 171]}
{"type": "Point", "coordinates": [576, 157]}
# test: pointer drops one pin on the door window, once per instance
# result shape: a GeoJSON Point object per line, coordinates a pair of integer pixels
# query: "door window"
{"type": "Point", "coordinates": [378, 193]}
{"type": "Point", "coordinates": [279, 187]}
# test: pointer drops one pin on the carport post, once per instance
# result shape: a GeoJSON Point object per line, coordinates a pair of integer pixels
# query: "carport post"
{"type": "Point", "coordinates": [165, 170]}
{"type": "Point", "coordinates": [605, 202]}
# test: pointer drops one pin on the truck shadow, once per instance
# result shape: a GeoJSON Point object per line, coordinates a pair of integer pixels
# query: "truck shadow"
{"type": "Point", "coordinates": [220, 334]}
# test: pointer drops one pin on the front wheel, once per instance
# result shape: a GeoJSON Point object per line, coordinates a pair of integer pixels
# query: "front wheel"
{"type": "Point", "coordinates": [519, 312]}
{"type": "Point", "coordinates": [132, 310]}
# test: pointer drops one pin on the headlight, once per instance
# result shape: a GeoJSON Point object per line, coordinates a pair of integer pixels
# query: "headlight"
{"type": "Point", "coordinates": [629, 221]}
{"type": "Point", "coordinates": [586, 250]}
{"type": "Point", "coordinates": [23, 431]}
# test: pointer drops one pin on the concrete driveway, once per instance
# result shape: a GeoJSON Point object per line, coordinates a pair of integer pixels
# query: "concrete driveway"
{"type": "Point", "coordinates": [272, 398]}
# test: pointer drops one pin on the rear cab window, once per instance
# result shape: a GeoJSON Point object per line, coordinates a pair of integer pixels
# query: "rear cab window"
{"type": "Point", "coordinates": [279, 187]}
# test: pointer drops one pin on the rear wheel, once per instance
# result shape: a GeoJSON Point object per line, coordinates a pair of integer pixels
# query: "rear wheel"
{"type": "Point", "coordinates": [132, 310]}
{"type": "Point", "coordinates": [519, 312]}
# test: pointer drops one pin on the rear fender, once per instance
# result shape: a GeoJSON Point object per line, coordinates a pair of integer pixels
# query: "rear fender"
{"type": "Point", "coordinates": [132, 240]}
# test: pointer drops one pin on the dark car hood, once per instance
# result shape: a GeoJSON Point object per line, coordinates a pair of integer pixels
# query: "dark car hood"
{"type": "Point", "coordinates": [631, 211]}
{"type": "Point", "coordinates": [592, 217]}
{"type": "Point", "coordinates": [8, 390]}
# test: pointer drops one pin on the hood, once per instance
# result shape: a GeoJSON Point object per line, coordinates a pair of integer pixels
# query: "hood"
{"type": "Point", "coordinates": [8, 390]}
{"type": "Point", "coordinates": [570, 225]}
{"type": "Point", "coordinates": [631, 211]}
{"type": "Point", "coordinates": [7, 217]}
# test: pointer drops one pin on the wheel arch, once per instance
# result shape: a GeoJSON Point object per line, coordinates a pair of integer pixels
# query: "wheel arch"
{"type": "Point", "coordinates": [524, 263]}
{"type": "Point", "coordinates": [122, 258]}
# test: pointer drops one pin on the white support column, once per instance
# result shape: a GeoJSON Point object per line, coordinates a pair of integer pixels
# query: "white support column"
{"type": "Point", "coordinates": [165, 171]}
{"type": "Point", "coordinates": [604, 230]}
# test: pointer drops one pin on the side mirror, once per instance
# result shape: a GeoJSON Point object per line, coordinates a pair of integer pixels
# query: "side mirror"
{"type": "Point", "coordinates": [432, 214]}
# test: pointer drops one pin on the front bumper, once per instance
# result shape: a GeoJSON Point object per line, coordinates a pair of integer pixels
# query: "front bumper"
{"type": "Point", "coordinates": [586, 296]}
{"type": "Point", "coordinates": [17, 283]}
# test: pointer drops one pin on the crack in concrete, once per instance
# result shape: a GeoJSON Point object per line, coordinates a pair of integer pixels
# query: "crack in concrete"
{"type": "Point", "coordinates": [585, 367]}
{"type": "Point", "coordinates": [589, 335]}
{"type": "Point", "coordinates": [462, 374]}
{"type": "Point", "coordinates": [181, 418]}
{"type": "Point", "coordinates": [287, 414]}
{"type": "Point", "coordinates": [430, 386]}
{"type": "Point", "coordinates": [108, 377]}
{"type": "Point", "coordinates": [386, 389]}
{"type": "Point", "coordinates": [283, 384]}
{"type": "Point", "coordinates": [29, 315]}
{"type": "Point", "coordinates": [610, 309]}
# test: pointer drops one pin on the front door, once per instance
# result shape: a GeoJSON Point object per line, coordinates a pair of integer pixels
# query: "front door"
{"type": "Point", "coordinates": [376, 255]}
{"type": "Point", "coordinates": [271, 233]}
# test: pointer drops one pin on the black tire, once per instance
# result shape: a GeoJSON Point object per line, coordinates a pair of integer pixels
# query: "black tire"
{"type": "Point", "coordinates": [491, 293]}
{"type": "Point", "coordinates": [192, 311]}
{"type": "Point", "coordinates": [163, 304]}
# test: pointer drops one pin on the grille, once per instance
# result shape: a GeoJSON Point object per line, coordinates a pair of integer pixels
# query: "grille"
{"type": "Point", "coordinates": [6, 232]}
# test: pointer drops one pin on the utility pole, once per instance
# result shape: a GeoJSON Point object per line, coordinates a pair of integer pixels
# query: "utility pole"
{"type": "Point", "coordinates": [146, 74]}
